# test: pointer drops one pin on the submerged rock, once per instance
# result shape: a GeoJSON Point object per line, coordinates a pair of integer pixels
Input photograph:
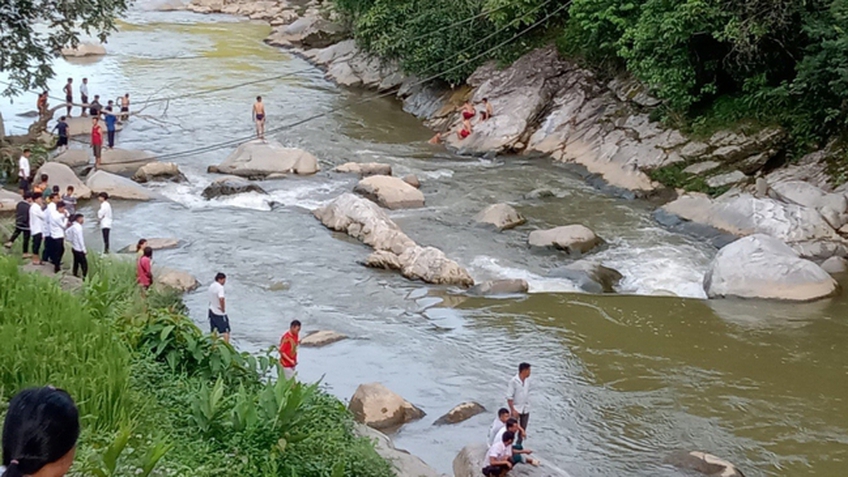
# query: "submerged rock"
{"type": "Point", "coordinates": [499, 287]}
{"type": "Point", "coordinates": [760, 266]}
{"type": "Point", "coordinates": [62, 176]}
{"type": "Point", "coordinates": [230, 185]}
{"type": "Point", "coordinates": [257, 159]}
{"type": "Point", "coordinates": [116, 186]}
{"type": "Point", "coordinates": [84, 49]}
{"type": "Point", "coordinates": [321, 338]}
{"type": "Point", "coordinates": [706, 464]}
{"type": "Point", "coordinates": [365, 169]}
{"type": "Point", "coordinates": [175, 279]}
{"type": "Point", "coordinates": [158, 171]}
{"type": "Point", "coordinates": [376, 406]}
{"type": "Point", "coordinates": [500, 216]}
{"type": "Point", "coordinates": [390, 192]}
{"type": "Point", "coordinates": [460, 413]}
{"type": "Point", "coordinates": [590, 276]}
{"type": "Point", "coordinates": [573, 239]}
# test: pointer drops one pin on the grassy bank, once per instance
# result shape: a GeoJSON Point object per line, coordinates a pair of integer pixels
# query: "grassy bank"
{"type": "Point", "coordinates": [159, 397]}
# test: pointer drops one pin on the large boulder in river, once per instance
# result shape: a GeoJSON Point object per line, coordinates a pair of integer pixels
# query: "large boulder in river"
{"type": "Point", "coordinates": [154, 244]}
{"type": "Point", "coordinates": [500, 216]}
{"type": "Point", "coordinates": [74, 158]}
{"type": "Point", "coordinates": [62, 176]}
{"type": "Point", "coordinates": [158, 171]}
{"type": "Point", "coordinates": [175, 279]}
{"type": "Point", "coordinates": [124, 162]}
{"type": "Point", "coordinates": [365, 221]}
{"type": "Point", "coordinates": [84, 49]}
{"type": "Point", "coordinates": [590, 276]}
{"type": "Point", "coordinates": [230, 185]}
{"type": "Point", "coordinates": [431, 265]}
{"type": "Point", "coordinates": [390, 192]}
{"type": "Point", "coordinates": [461, 412]}
{"type": "Point", "coordinates": [472, 458]}
{"type": "Point", "coordinates": [116, 186]}
{"type": "Point", "coordinates": [573, 239]}
{"type": "Point", "coordinates": [833, 207]}
{"type": "Point", "coordinates": [703, 463]}
{"type": "Point", "coordinates": [376, 406]}
{"type": "Point", "coordinates": [499, 287]}
{"type": "Point", "coordinates": [365, 169]}
{"type": "Point", "coordinates": [258, 159]}
{"type": "Point", "coordinates": [760, 266]}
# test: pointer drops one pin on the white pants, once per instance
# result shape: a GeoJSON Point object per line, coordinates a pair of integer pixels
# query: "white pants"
{"type": "Point", "coordinates": [289, 373]}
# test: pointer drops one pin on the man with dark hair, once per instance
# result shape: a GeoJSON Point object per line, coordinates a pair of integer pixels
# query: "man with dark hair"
{"type": "Point", "coordinates": [36, 226]}
{"type": "Point", "coordinates": [22, 223]}
{"type": "Point", "coordinates": [62, 128]}
{"type": "Point", "coordinates": [288, 349]}
{"type": "Point", "coordinates": [83, 96]}
{"type": "Point", "coordinates": [69, 95]}
{"type": "Point", "coordinates": [24, 172]}
{"type": "Point", "coordinates": [57, 234]}
{"type": "Point", "coordinates": [499, 456]}
{"type": "Point", "coordinates": [259, 117]}
{"type": "Point", "coordinates": [498, 424]}
{"type": "Point", "coordinates": [518, 453]}
{"type": "Point", "coordinates": [111, 119]}
{"type": "Point", "coordinates": [218, 320]}
{"type": "Point", "coordinates": [104, 216]}
{"type": "Point", "coordinates": [77, 241]}
{"type": "Point", "coordinates": [518, 396]}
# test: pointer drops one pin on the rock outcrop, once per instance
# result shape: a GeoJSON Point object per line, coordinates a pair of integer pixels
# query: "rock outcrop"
{"type": "Point", "coordinates": [365, 221]}
{"type": "Point", "coordinates": [761, 266]}
{"type": "Point", "coordinates": [833, 207]}
{"type": "Point", "coordinates": [62, 176]}
{"type": "Point", "coordinates": [405, 464]}
{"type": "Point", "coordinates": [365, 169]}
{"type": "Point", "coordinates": [500, 216]}
{"type": "Point", "coordinates": [572, 239]}
{"type": "Point", "coordinates": [155, 244]}
{"type": "Point", "coordinates": [499, 287]}
{"type": "Point", "coordinates": [390, 192]}
{"type": "Point", "coordinates": [116, 186]}
{"type": "Point", "coordinates": [74, 158]}
{"type": "Point", "coordinates": [230, 185]}
{"type": "Point", "coordinates": [835, 265]}
{"type": "Point", "coordinates": [321, 338]}
{"type": "Point", "coordinates": [461, 412]}
{"type": "Point", "coordinates": [124, 162]}
{"type": "Point", "coordinates": [378, 407]}
{"type": "Point", "coordinates": [311, 31]}
{"type": "Point", "coordinates": [84, 49]}
{"type": "Point", "coordinates": [8, 201]}
{"type": "Point", "coordinates": [703, 463]}
{"type": "Point", "coordinates": [258, 159]}
{"type": "Point", "coordinates": [175, 279]}
{"type": "Point", "coordinates": [472, 458]}
{"type": "Point", "coordinates": [158, 171]}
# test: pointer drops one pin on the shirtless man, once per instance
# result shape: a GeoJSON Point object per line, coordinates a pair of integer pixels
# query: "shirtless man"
{"type": "Point", "coordinates": [42, 104]}
{"type": "Point", "coordinates": [465, 130]}
{"type": "Point", "coordinates": [259, 117]}
{"type": "Point", "coordinates": [488, 112]}
{"type": "Point", "coordinates": [69, 95]}
{"type": "Point", "coordinates": [468, 111]}
{"type": "Point", "coordinates": [125, 107]}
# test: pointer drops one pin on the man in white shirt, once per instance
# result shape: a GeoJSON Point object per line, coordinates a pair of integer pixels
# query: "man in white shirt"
{"type": "Point", "coordinates": [84, 95]}
{"type": "Point", "coordinates": [36, 226]}
{"type": "Point", "coordinates": [518, 396]}
{"type": "Point", "coordinates": [218, 320]}
{"type": "Point", "coordinates": [499, 456]}
{"type": "Point", "coordinates": [57, 234]}
{"type": "Point", "coordinates": [104, 216]}
{"type": "Point", "coordinates": [498, 424]}
{"type": "Point", "coordinates": [75, 237]}
{"type": "Point", "coordinates": [518, 453]}
{"type": "Point", "coordinates": [24, 171]}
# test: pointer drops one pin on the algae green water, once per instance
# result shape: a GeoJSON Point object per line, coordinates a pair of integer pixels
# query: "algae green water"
{"type": "Point", "coordinates": [619, 381]}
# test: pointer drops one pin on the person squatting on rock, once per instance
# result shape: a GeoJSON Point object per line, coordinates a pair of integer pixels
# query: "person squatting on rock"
{"type": "Point", "coordinates": [219, 322]}
{"type": "Point", "coordinates": [518, 453]}
{"type": "Point", "coordinates": [499, 457]}
{"type": "Point", "coordinates": [22, 223]}
{"type": "Point", "coordinates": [288, 349]}
{"type": "Point", "coordinates": [40, 433]}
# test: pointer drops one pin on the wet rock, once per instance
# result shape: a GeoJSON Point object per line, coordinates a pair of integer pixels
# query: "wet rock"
{"type": "Point", "coordinates": [158, 171]}
{"type": "Point", "coordinates": [258, 159]}
{"type": "Point", "coordinates": [230, 185]}
{"type": "Point", "coordinates": [472, 458]}
{"type": "Point", "coordinates": [310, 31]}
{"type": "Point", "coordinates": [760, 266]}
{"type": "Point", "coordinates": [175, 279]}
{"type": "Point", "coordinates": [431, 265]}
{"type": "Point", "coordinates": [365, 221]}
{"type": "Point", "coordinates": [321, 338]}
{"type": "Point", "coordinates": [74, 158]}
{"type": "Point", "coordinates": [834, 265]}
{"type": "Point", "coordinates": [124, 162]}
{"type": "Point", "coordinates": [569, 238]}
{"type": "Point", "coordinates": [116, 186]}
{"type": "Point", "coordinates": [84, 49]}
{"type": "Point", "coordinates": [412, 180]}
{"type": "Point", "coordinates": [390, 192]}
{"type": "Point", "coordinates": [365, 169]}
{"type": "Point", "coordinates": [591, 277]}
{"type": "Point", "coordinates": [460, 413]}
{"type": "Point", "coordinates": [537, 194]}
{"type": "Point", "coordinates": [701, 167]}
{"type": "Point", "coordinates": [727, 179]}
{"type": "Point", "coordinates": [384, 260]}
{"type": "Point", "coordinates": [376, 406]}
{"type": "Point", "coordinates": [706, 464]}
{"type": "Point", "coordinates": [833, 207]}
{"type": "Point", "coordinates": [155, 244]}
{"type": "Point", "coordinates": [501, 216]}
{"type": "Point", "coordinates": [81, 126]}
{"type": "Point", "coordinates": [406, 464]}
{"type": "Point", "coordinates": [62, 176]}
{"type": "Point", "coordinates": [499, 287]}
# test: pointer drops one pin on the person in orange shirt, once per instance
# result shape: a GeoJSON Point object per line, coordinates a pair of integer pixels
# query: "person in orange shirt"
{"type": "Point", "coordinates": [288, 349]}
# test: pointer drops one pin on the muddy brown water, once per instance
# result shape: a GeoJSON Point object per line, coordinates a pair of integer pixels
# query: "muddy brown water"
{"type": "Point", "coordinates": [619, 381]}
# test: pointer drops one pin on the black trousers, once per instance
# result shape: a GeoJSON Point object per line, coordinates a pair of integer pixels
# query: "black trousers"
{"type": "Point", "coordinates": [19, 231]}
{"type": "Point", "coordinates": [80, 262]}
{"type": "Point", "coordinates": [57, 250]}
{"type": "Point", "coordinates": [110, 135]}
{"type": "Point", "coordinates": [105, 239]}
{"type": "Point", "coordinates": [47, 253]}
{"type": "Point", "coordinates": [36, 244]}
{"type": "Point", "coordinates": [523, 420]}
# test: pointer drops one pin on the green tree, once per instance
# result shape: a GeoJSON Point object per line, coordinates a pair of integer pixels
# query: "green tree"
{"type": "Point", "coordinates": [33, 32]}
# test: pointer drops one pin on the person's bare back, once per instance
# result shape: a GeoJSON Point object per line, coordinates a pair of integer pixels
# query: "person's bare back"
{"type": "Point", "coordinates": [259, 117]}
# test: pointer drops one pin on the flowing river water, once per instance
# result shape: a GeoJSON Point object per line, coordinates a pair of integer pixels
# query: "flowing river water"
{"type": "Point", "coordinates": [619, 381]}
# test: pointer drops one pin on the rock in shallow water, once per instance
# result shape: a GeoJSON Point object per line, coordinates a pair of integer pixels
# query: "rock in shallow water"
{"type": "Point", "coordinates": [376, 406]}
{"type": "Point", "coordinates": [158, 171]}
{"type": "Point", "coordinates": [499, 287]}
{"type": "Point", "coordinates": [834, 265]}
{"type": "Point", "coordinates": [155, 244]}
{"type": "Point", "coordinates": [230, 185]}
{"type": "Point", "coordinates": [62, 176]}
{"type": "Point", "coordinates": [390, 192]}
{"type": "Point", "coordinates": [365, 169]}
{"type": "Point", "coordinates": [500, 216]}
{"type": "Point", "coordinates": [116, 186]}
{"type": "Point", "coordinates": [472, 458]}
{"type": "Point", "coordinates": [321, 338]}
{"type": "Point", "coordinates": [569, 238]}
{"type": "Point", "coordinates": [703, 463]}
{"type": "Point", "coordinates": [257, 158]}
{"type": "Point", "coordinates": [460, 413]}
{"type": "Point", "coordinates": [591, 277]}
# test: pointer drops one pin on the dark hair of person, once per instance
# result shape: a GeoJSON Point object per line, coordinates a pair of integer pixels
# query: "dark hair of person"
{"type": "Point", "coordinates": [259, 98]}
{"type": "Point", "coordinates": [508, 436]}
{"type": "Point", "coordinates": [42, 426]}
{"type": "Point", "coordinates": [294, 323]}
{"type": "Point", "coordinates": [219, 276]}
{"type": "Point", "coordinates": [27, 195]}
{"type": "Point", "coordinates": [44, 178]}
{"type": "Point", "coordinates": [503, 411]}
{"type": "Point", "coordinates": [55, 189]}
{"type": "Point", "coordinates": [76, 217]}
{"type": "Point", "coordinates": [485, 100]}
{"type": "Point", "coordinates": [523, 366]}
{"type": "Point", "coordinates": [511, 422]}
{"type": "Point", "coordinates": [53, 196]}
{"type": "Point", "coordinates": [62, 118]}
{"type": "Point", "coordinates": [140, 245]}
{"type": "Point", "coordinates": [104, 195]}
{"type": "Point", "coordinates": [26, 150]}
{"type": "Point", "coordinates": [60, 204]}
{"type": "Point", "coordinates": [148, 252]}
{"type": "Point", "coordinates": [70, 79]}
{"type": "Point", "coordinates": [71, 188]}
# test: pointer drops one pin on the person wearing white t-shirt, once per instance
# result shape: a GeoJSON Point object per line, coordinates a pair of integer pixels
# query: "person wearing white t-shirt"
{"type": "Point", "coordinates": [36, 226]}
{"type": "Point", "coordinates": [218, 320]}
{"type": "Point", "coordinates": [56, 226]}
{"type": "Point", "coordinates": [518, 396]}
{"type": "Point", "coordinates": [498, 424]}
{"type": "Point", "coordinates": [499, 456]}
{"type": "Point", "coordinates": [518, 453]}
{"type": "Point", "coordinates": [75, 237]}
{"type": "Point", "coordinates": [104, 216]}
{"type": "Point", "coordinates": [24, 171]}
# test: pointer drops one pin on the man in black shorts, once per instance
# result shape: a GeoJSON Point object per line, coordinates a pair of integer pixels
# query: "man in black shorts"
{"type": "Point", "coordinates": [62, 128]}
{"type": "Point", "coordinates": [69, 95]}
{"type": "Point", "coordinates": [218, 320]}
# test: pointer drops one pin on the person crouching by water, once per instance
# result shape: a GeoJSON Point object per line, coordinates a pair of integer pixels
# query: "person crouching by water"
{"type": "Point", "coordinates": [518, 453]}
{"type": "Point", "coordinates": [144, 269]}
{"type": "Point", "coordinates": [40, 433]}
{"type": "Point", "coordinates": [288, 349]}
{"type": "Point", "coordinates": [499, 456]}
{"type": "Point", "coordinates": [218, 320]}
{"type": "Point", "coordinates": [259, 117]}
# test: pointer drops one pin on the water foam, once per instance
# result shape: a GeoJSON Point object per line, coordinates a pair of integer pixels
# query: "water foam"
{"type": "Point", "coordinates": [491, 268]}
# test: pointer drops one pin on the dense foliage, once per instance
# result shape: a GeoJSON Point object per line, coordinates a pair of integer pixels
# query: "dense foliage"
{"type": "Point", "coordinates": [159, 397]}
{"type": "Point", "coordinates": [713, 62]}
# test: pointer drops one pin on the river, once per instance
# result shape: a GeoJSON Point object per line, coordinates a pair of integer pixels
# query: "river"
{"type": "Point", "coordinates": [619, 380]}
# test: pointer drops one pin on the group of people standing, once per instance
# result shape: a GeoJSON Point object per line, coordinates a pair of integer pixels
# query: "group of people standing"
{"type": "Point", "coordinates": [509, 430]}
